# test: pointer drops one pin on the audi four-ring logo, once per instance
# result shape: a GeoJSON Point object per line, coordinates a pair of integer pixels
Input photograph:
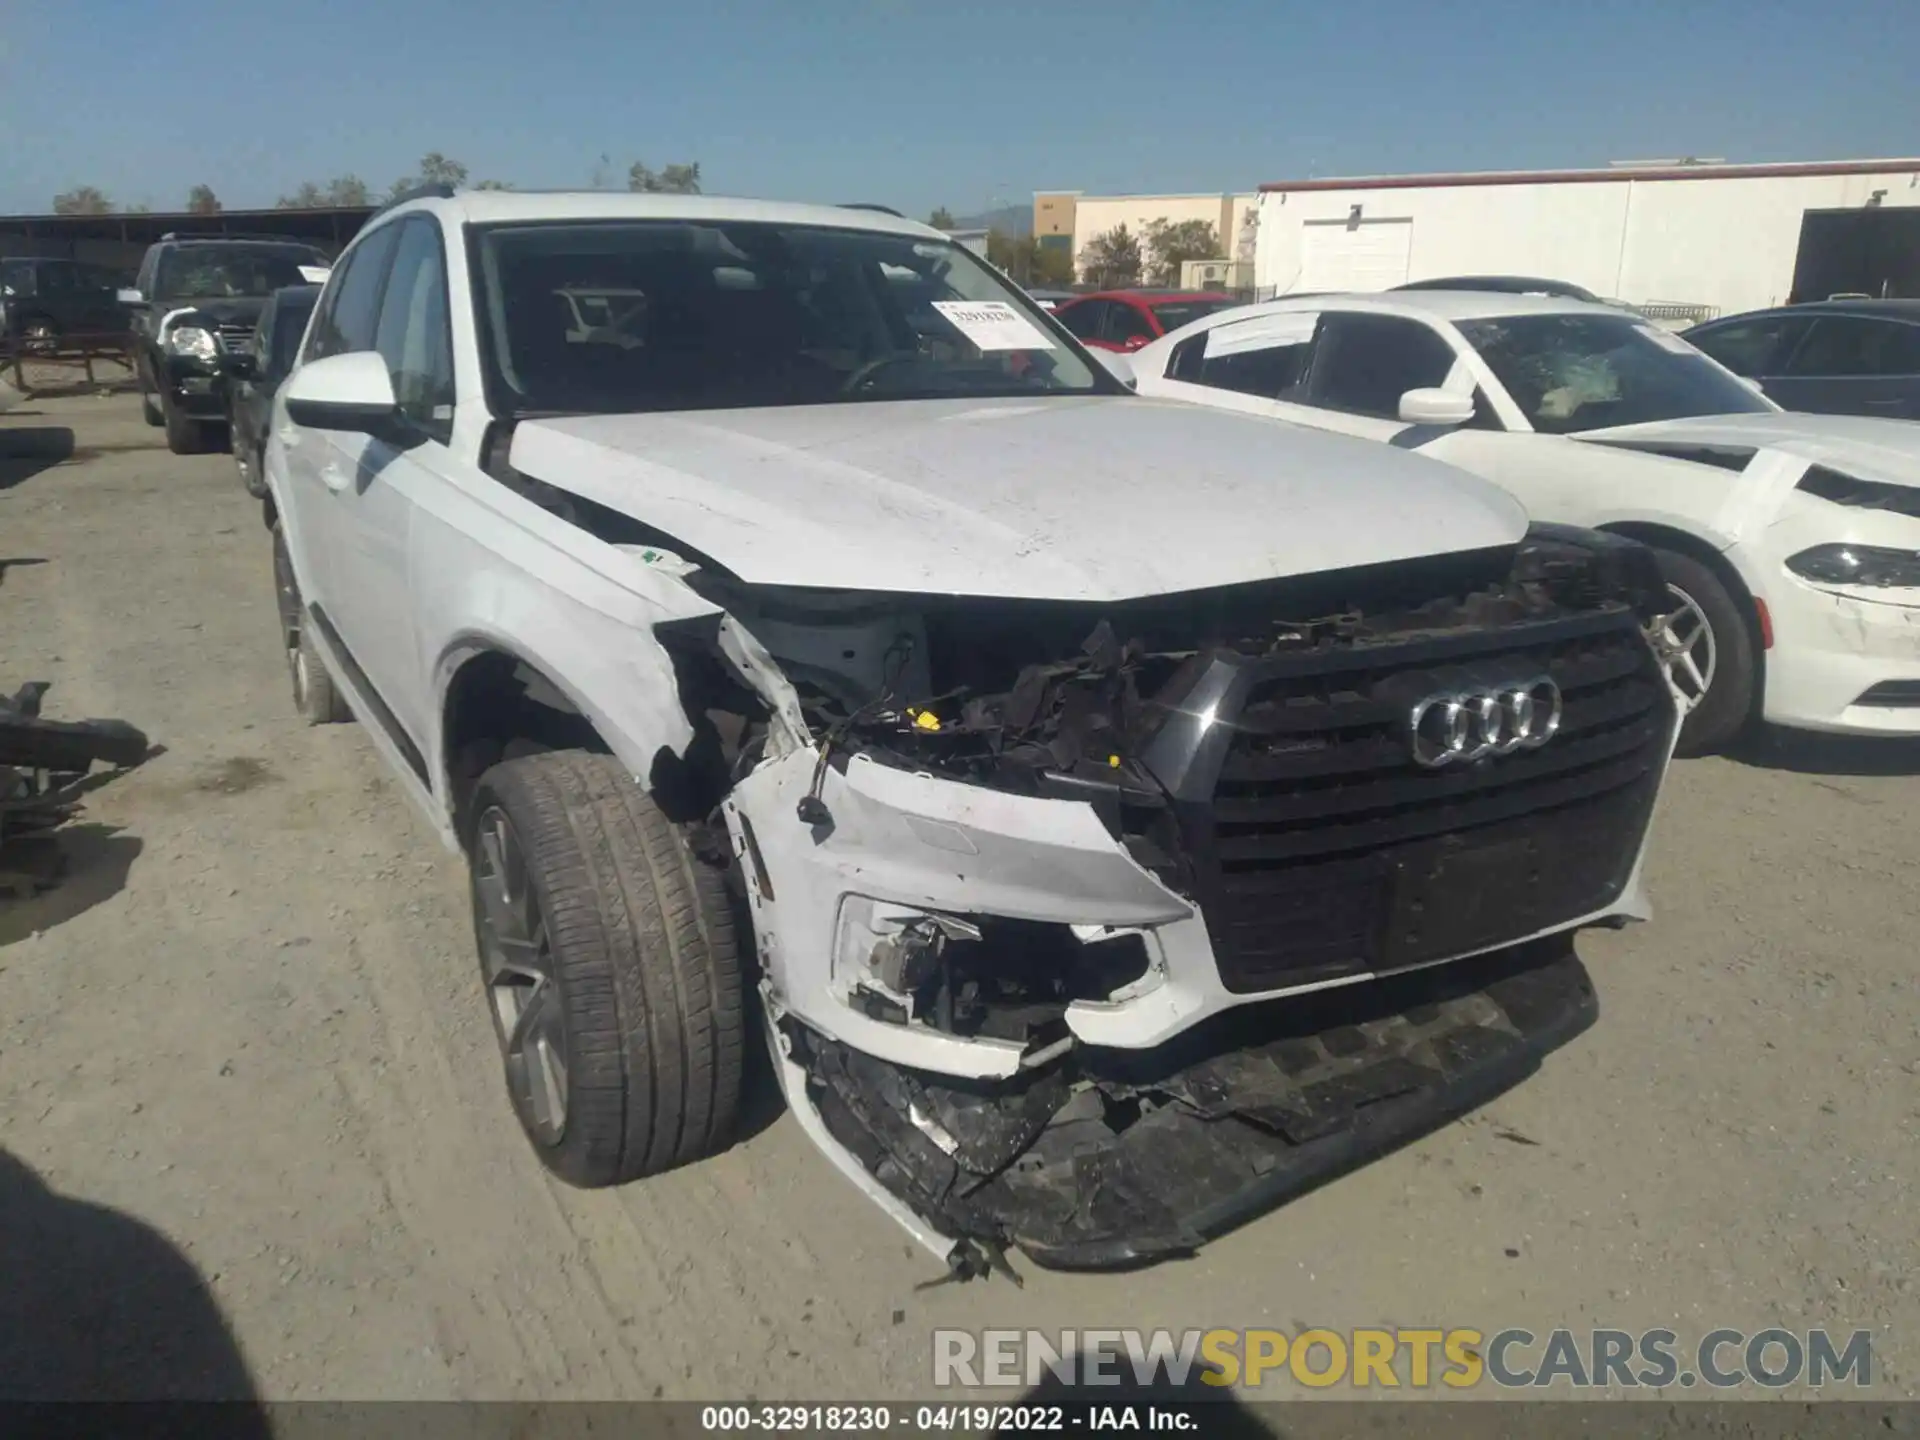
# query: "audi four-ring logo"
{"type": "Point", "coordinates": [1469, 724]}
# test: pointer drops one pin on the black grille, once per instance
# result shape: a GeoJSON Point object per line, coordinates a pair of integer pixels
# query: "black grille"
{"type": "Point", "coordinates": [1892, 693]}
{"type": "Point", "coordinates": [1323, 850]}
{"type": "Point", "coordinates": [234, 336]}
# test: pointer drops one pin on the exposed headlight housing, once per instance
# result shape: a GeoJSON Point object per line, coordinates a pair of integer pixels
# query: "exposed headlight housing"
{"type": "Point", "coordinates": [193, 341]}
{"type": "Point", "coordinates": [1869, 565]}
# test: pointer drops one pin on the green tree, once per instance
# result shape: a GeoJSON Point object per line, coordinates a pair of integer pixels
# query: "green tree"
{"type": "Point", "coordinates": [941, 219]}
{"type": "Point", "coordinates": [1052, 265]}
{"type": "Point", "coordinates": [202, 201]}
{"type": "Point", "coordinates": [1169, 243]}
{"type": "Point", "coordinates": [493, 185]}
{"type": "Point", "coordinates": [308, 197]}
{"type": "Point", "coordinates": [347, 190]}
{"type": "Point", "coordinates": [82, 200]}
{"type": "Point", "coordinates": [670, 180]}
{"type": "Point", "coordinates": [1112, 261]}
{"type": "Point", "coordinates": [435, 169]}
{"type": "Point", "coordinates": [1017, 255]}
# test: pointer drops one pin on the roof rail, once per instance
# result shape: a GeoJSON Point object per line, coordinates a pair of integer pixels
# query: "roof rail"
{"type": "Point", "coordinates": [439, 190]}
{"type": "Point", "coordinates": [883, 209]}
{"type": "Point", "coordinates": [216, 236]}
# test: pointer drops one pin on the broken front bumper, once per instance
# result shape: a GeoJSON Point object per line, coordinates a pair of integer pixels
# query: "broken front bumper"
{"type": "Point", "coordinates": [1123, 1158]}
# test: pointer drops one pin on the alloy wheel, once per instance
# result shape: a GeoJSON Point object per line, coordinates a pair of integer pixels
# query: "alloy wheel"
{"type": "Point", "coordinates": [1684, 639]}
{"type": "Point", "coordinates": [516, 963]}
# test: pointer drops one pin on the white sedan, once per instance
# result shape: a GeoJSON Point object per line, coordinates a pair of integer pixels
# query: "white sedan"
{"type": "Point", "coordinates": [1791, 542]}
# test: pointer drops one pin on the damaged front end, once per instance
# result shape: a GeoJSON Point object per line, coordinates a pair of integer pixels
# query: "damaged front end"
{"type": "Point", "coordinates": [1061, 908]}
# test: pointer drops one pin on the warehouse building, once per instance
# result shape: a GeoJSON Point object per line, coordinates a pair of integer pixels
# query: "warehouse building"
{"type": "Point", "coordinates": [1688, 237]}
{"type": "Point", "coordinates": [117, 241]}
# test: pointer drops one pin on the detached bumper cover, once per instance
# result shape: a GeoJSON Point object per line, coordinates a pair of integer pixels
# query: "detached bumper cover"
{"type": "Point", "coordinates": [1120, 1158]}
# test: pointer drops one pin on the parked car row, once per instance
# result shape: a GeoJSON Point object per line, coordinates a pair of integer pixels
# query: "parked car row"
{"type": "Point", "coordinates": [1791, 542]}
{"type": "Point", "coordinates": [196, 305]}
{"type": "Point", "coordinates": [806, 635]}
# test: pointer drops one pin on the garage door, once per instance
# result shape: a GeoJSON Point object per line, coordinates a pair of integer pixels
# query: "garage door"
{"type": "Point", "coordinates": [1348, 255]}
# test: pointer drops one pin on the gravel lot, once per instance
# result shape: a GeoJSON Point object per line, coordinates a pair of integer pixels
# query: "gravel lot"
{"type": "Point", "coordinates": [245, 1041]}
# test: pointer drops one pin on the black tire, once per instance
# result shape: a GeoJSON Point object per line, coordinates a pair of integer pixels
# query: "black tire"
{"type": "Point", "coordinates": [246, 461]}
{"type": "Point", "coordinates": [185, 435]}
{"type": "Point", "coordinates": [314, 693]}
{"type": "Point", "coordinates": [640, 949]}
{"type": "Point", "coordinates": [1728, 705]}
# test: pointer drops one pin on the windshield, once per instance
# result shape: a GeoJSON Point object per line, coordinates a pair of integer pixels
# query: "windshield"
{"type": "Point", "coordinates": [623, 316]}
{"type": "Point", "coordinates": [231, 272]}
{"type": "Point", "coordinates": [1569, 373]}
{"type": "Point", "coordinates": [1176, 313]}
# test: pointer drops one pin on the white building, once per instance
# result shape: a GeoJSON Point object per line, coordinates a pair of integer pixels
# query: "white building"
{"type": "Point", "coordinates": [1709, 237]}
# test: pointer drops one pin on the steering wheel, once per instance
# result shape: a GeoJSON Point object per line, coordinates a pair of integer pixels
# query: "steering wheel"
{"type": "Point", "coordinates": [866, 372]}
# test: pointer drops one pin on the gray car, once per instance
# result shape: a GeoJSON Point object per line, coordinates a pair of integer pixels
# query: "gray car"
{"type": "Point", "coordinates": [1832, 357]}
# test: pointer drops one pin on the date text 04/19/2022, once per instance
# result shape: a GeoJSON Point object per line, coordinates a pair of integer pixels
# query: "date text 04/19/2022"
{"type": "Point", "coordinates": [945, 1418]}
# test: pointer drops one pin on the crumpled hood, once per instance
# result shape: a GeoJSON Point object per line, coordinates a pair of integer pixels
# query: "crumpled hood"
{"type": "Point", "coordinates": [1863, 446]}
{"type": "Point", "coordinates": [1095, 498]}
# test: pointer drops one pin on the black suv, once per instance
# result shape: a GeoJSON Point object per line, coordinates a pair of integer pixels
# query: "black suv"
{"type": "Point", "coordinates": [196, 303]}
{"type": "Point", "coordinates": [43, 299]}
{"type": "Point", "coordinates": [254, 376]}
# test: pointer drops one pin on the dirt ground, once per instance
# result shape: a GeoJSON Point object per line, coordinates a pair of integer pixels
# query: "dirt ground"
{"type": "Point", "coordinates": [247, 1035]}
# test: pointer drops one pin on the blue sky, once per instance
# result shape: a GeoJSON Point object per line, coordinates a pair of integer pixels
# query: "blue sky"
{"type": "Point", "coordinates": [917, 103]}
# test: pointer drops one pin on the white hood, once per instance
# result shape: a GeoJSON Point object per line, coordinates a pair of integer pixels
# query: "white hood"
{"type": "Point", "coordinates": [1865, 447]}
{"type": "Point", "coordinates": [1099, 498]}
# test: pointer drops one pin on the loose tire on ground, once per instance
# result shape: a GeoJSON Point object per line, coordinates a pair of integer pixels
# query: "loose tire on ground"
{"type": "Point", "coordinates": [1728, 706]}
{"type": "Point", "coordinates": [314, 694]}
{"type": "Point", "coordinates": [636, 939]}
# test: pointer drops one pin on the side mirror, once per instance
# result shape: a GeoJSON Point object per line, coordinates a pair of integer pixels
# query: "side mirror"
{"type": "Point", "coordinates": [1435, 407]}
{"type": "Point", "coordinates": [344, 392]}
{"type": "Point", "coordinates": [129, 297]}
{"type": "Point", "coordinates": [1118, 366]}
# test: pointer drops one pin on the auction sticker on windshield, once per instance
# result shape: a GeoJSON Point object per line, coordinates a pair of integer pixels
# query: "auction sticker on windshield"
{"type": "Point", "coordinates": [993, 325]}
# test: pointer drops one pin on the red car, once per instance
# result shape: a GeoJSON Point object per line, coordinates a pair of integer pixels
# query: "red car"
{"type": "Point", "coordinates": [1128, 319]}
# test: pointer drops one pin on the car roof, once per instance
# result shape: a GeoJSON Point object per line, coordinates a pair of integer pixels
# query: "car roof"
{"type": "Point", "coordinates": [1908, 310]}
{"type": "Point", "coordinates": [1149, 297]}
{"type": "Point", "coordinates": [1500, 284]}
{"type": "Point", "coordinates": [506, 207]}
{"type": "Point", "coordinates": [1447, 305]}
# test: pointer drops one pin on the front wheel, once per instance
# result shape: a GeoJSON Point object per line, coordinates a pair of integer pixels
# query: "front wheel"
{"type": "Point", "coordinates": [1708, 651]}
{"type": "Point", "coordinates": [611, 967]}
{"type": "Point", "coordinates": [185, 435]}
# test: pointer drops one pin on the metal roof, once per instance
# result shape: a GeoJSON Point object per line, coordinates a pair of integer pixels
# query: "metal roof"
{"type": "Point", "coordinates": [1613, 174]}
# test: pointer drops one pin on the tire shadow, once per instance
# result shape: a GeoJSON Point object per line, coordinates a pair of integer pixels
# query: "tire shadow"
{"type": "Point", "coordinates": [1807, 752]}
{"type": "Point", "coordinates": [25, 452]}
{"type": "Point", "coordinates": [96, 1305]}
{"type": "Point", "coordinates": [91, 862]}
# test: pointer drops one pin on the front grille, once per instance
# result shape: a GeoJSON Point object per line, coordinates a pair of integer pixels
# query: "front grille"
{"type": "Point", "coordinates": [234, 337]}
{"type": "Point", "coordinates": [1324, 850]}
